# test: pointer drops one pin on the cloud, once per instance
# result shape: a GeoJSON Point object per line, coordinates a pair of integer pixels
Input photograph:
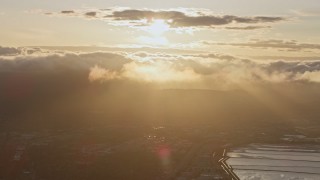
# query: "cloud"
{"type": "Point", "coordinates": [180, 19]}
{"type": "Point", "coordinates": [213, 70]}
{"type": "Point", "coordinates": [158, 72]}
{"type": "Point", "coordinates": [98, 73]}
{"type": "Point", "coordinates": [61, 61]}
{"type": "Point", "coordinates": [7, 51]}
{"type": "Point", "coordinates": [67, 12]}
{"type": "Point", "coordinates": [314, 76]}
{"type": "Point", "coordinates": [291, 45]}
{"type": "Point", "coordinates": [175, 18]}
{"type": "Point", "coordinates": [311, 12]}
{"type": "Point", "coordinates": [200, 70]}
{"type": "Point", "coordinates": [248, 27]}
{"type": "Point", "coordinates": [287, 58]}
{"type": "Point", "coordinates": [91, 14]}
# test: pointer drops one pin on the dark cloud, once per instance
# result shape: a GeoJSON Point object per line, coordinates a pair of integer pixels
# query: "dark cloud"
{"type": "Point", "coordinates": [67, 12]}
{"type": "Point", "coordinates": [57, 62]}
{"type": "Point", "coordinates": [275, 44]}
{"type": "Point", "coordinates": [134, 14]}
{"type": "Point", "coordinates": [248, 27]}
{"type": "Point", "coordinates": [216, 56]}
{"type": "Point", "coordinates": [175, 18]}
{"type": "Point", "coordinates": [293, 67]}
{"type": "Point", "coordinates": [8, 51]}
{"type": "Point", "coordinates": [91, 14]}
{"type": "Point", "coordinates": [288, 58]}
{"type": "Point", "coordinates": [180, 19]}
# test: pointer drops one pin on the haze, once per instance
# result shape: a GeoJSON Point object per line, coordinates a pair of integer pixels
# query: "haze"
{"type": "Point", "coordinates": [126, 79]}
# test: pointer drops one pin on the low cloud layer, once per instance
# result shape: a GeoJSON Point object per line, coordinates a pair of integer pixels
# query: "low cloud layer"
{"type": "Point", "coordinates": [175, 18]}
{"type": "Point", "coordinates": [5, 51]}
{"type": "Point", "coordinates": [274, 44]}
{"type": "Point", "coordinates": [196, 70]}
{"type": "Point", "coordinates": [39, 60]}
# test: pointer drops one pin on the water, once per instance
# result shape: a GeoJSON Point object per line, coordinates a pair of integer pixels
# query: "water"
{"type": "Point", "coordinates": [285, 162]}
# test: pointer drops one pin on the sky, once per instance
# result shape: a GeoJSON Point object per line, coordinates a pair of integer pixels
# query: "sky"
{"type": "Point", "coordinates": [169, 41]}
{"type": "Point", "coordinates": [168, 59]}
{"type": "Point", "coordinates": [25, 23]}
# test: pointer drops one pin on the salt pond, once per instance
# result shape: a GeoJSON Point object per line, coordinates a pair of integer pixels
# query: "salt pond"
{"type": "Point", "coordinates": [260, 161]}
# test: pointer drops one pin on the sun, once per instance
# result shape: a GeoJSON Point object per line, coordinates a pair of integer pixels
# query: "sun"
{"type": "Point", "coordinates": [156, 33]}
{"type": "Point", "coordinates": [158, 27]}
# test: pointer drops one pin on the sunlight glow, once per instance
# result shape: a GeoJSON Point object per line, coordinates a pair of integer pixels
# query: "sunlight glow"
{"type": "Point", "coordinates": [158, 27]}
{"type": "Point", "coordinates": [159, 72]}
{"type": "Point", "coordinates": [156, 31]}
